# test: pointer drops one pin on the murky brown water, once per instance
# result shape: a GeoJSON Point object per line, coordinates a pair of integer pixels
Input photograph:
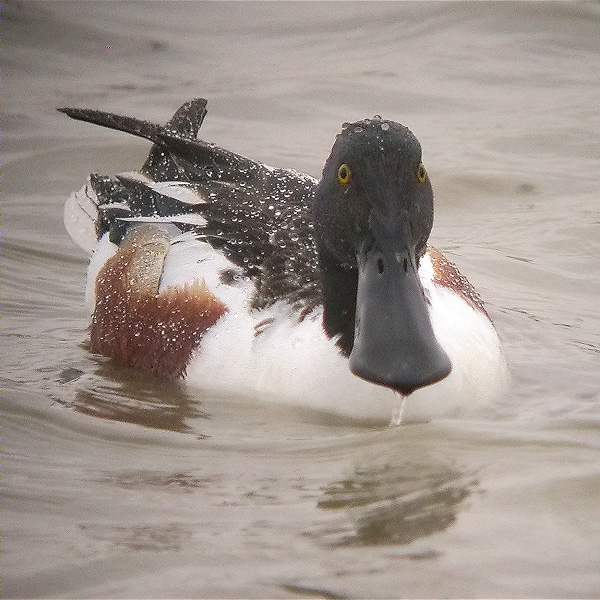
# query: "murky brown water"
{"type": "Point", "coordinates": [115, 486]}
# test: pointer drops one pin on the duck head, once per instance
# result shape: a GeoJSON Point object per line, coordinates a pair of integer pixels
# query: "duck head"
{"type": "Point", "coordinates": [373, 213]}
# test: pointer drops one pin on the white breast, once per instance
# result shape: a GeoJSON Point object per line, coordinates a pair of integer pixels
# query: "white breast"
{"type": "Point", "coordinates": [294, 363]}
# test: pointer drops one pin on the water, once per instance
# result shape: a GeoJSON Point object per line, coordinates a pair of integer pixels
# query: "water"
{"type": "Point", "coordinates": [116, 486]}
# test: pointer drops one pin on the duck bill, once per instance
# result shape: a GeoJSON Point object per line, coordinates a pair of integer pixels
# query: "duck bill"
{"type": "Point", "coordinates": [394, 343]}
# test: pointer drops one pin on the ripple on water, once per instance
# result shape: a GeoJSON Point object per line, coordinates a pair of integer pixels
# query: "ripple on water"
{"type": "Point", "coordinates": [114, 485]}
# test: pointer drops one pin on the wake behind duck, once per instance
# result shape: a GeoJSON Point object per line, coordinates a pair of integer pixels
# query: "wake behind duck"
{"type": "Point", "coordinates": [246, 279]}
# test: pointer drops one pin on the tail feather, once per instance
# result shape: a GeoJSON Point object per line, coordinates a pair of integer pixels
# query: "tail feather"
{"type": "Point", "coordinates": [102, 203]}
{"type": "Point", "coordinates": [185, 122]}
{"type": "Point", "coordinates": [144, 129]}
{"type": "Point", "coordinates": [176, 153]}
{"type": "Point", "coordinates": [189, 117]}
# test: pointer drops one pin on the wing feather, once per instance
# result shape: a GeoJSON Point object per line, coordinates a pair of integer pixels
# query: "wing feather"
{"type": "Point", "coordinates": [258, 215]}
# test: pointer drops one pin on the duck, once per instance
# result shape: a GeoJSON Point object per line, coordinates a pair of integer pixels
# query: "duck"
{"type": "Point", "coordinates": [258, 282]}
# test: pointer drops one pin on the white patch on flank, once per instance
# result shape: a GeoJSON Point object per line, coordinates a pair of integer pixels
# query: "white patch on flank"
{"type": "Point", "coordinates": [189, 260]}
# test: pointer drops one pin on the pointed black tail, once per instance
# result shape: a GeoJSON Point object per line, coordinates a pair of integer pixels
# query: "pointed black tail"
{"type": "Point", "coordinates": [185, 122]}
{"type": "Point", "coordinates": [144, 129]}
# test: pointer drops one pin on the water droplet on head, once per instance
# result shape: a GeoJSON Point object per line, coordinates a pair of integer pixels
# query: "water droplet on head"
{"type": "Point", "coordinates": [385, 126]}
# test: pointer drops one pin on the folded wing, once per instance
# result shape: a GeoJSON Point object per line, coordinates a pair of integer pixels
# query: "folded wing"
{"type": "Point", "coordinates": [257, 215]}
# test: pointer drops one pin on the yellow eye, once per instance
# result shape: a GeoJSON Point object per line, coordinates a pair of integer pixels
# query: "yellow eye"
{"type": "Point", "coordinates": [421, 173]}
{"type": "Point", "coordinates": [344, 175]}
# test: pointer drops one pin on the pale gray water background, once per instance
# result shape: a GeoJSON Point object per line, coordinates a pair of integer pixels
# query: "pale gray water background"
{"type": "Point", "coordinates": [115, 486]}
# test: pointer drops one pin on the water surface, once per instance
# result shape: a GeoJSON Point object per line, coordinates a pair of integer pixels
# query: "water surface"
{"type": "Point", "coordinates": [117, 486]}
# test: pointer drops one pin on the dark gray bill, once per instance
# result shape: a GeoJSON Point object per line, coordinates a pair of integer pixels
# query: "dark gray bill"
{"type": "Point", "coordinates": [394, 343]}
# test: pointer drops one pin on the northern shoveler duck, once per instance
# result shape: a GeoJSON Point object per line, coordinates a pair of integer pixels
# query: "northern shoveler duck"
{"type": "Point", "coordinates": [248, 279]}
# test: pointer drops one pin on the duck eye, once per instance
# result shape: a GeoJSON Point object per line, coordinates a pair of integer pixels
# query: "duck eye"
{"type": "Point", "coordinates": [421, 173]}
{"type": "Point", "coordinates": [344, 175]}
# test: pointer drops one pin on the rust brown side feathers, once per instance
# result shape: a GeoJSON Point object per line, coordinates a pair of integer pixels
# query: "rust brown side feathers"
{"type": "Point", "coordinates": [140, 327]}
{"type": "Point", "coordinates": [447, 275]}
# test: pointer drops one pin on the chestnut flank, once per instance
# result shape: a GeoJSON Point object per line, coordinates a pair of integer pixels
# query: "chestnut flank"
{"type": "Point", "coordinates": [447, 275]}
{"type": "Point", "coordinates": [136, 325]}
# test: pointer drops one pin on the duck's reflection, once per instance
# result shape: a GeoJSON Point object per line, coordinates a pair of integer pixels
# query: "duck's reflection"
{"type": "Point", "coordinates": [121, 394]}
{"type": "Point", "coordinates": [396, 504]}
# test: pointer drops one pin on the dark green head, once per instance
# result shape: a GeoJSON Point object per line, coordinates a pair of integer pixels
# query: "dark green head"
{"type": "Point", "coordinates": [385, 180]}
{"type": "Point", "coordinates": [373, 213]}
